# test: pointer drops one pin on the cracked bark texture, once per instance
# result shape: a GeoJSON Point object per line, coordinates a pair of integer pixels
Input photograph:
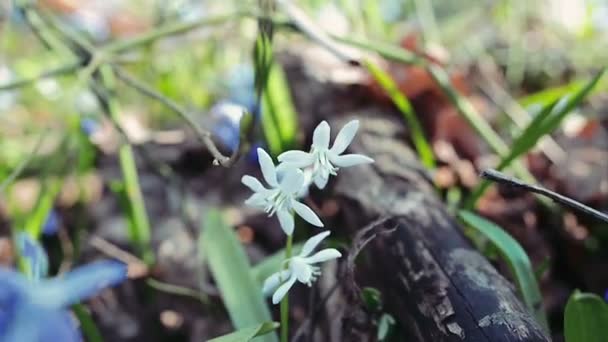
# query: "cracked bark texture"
{"type": "Point", "coordinates": [437, 286]}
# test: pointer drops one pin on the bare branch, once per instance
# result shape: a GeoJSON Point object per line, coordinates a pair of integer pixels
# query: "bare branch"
{"type": "Point", "coordinates": [202, 134]}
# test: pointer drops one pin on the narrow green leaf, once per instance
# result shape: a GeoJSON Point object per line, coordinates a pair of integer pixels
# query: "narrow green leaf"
{"type": "Point", "coordinates": [270, 127]}
{"type": "Point", "coordinates": [279, 118]}
{"type": "Point", "coordinates": [272, 264]}
{"type": "Point", "coordinates": [462, 104]}
{"type": "Point", "coordinates": [247, 334]}
{"type": "Point", "coordinates": [403, 104]}
{"type": "Point", "coordinates": [560, 112]}
{"type": "Point", "coordinates": [282, 108]}
{"type": "Point", "coordinates": [87, 324]}
{"type": "Point", "coordinates": [35, 221]}
{"type": "Point", "coordinates": [553, 94]}
{"type": "Point", "coordinates": [586, 318]}
{"type": "Point", "coordinates": [517, 259]}
{"type": "Point", "coordinates": [229, 266]}
{"type": "Point", "coordinates": [545, 122]}
{"type": "Point", "coordinates": [140, 227]}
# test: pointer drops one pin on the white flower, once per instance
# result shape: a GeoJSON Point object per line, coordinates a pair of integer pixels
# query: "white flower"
{"type": "Point", "coordinates": [280, 199]}
{"type": "Point", "coordinates": [300, 268]}
{"type": "Point", "coordinates": [326, 161]}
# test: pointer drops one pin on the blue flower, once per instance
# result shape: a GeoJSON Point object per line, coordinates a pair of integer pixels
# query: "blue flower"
{"type": "Point", "coordinates": [34, 258]}
{"type": "Point", "coordinates": [51, 224]}
{"type": "Point", "coordinates": [89, 126]}
{"type": "Point", "coordinates": [38, 311]}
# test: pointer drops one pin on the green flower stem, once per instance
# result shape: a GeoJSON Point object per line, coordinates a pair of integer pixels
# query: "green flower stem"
{"type": "Point", "coordinates": [140, 223]}
{"type": "Point", "coordinates": [285, 301]}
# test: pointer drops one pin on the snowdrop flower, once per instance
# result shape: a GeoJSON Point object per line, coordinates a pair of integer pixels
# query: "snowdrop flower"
{"type": "Point", "coordinates": [300, 268]}
{"type": "Point", "coordinates": [280, 199]}
{"type": "Point", "coordinates": [326, 161]}
{"type": "Point", "coordinates": [39, 311]}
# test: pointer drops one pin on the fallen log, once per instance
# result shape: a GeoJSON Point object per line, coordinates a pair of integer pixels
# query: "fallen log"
{"type": "Point", "coordinates": [437, 286]}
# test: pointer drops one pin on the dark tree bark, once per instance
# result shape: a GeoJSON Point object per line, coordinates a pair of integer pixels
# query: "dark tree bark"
{"type": "Point", "coordinates": [433, 281]}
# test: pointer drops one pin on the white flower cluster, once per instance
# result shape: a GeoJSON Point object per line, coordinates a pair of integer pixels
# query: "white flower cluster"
{"type": "Point", "coordinates": [290, 180]}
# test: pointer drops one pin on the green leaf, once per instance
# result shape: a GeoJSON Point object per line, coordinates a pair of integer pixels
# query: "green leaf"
{"type": "Point", "coordinates": [545, 122]}
{"type": "Point", "coordinates": [403, 104]}
{"type": "Point", "coordinates": [585, 318]}
{"type": "Point", "coordinates": [279, 118]}
{"type": "Point", "coordinates": [35, 221]}
{"type": "Point", "coordinates": [372, 298]}
{"type": "Point", "coordinates": [139, 232]}
{"type": "Point", "coordinates": [272, 264]}
{"type": "Point", "coordinates": [229, 265]}
{"type": "Point", "coordinates": [247, 334]}
{"type": "Point", "coordinates": [517, 259]}
{"type": "Point", "coordinates": [548, 95]}
{"type": "Point", "coordinates": [87, 324]}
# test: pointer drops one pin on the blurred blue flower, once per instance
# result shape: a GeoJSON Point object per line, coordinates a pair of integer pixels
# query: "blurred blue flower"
{"type": "Point", "coordinates": [88, 126]}
{"type": "Point", "coordinates": [241, 87]}
{"type": "Point", "coordinates": [38, 311]}
{"type": "Point", "coordinates": [51, 224]}
{"type": "Point", "coordinates": [606, 296]}
{"type": "Point", "coordinates": [226, 117]}
{"type": "Point", "coordinates": [33, 255]}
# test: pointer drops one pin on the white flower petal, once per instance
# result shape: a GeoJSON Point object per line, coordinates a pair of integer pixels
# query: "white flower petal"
{"type": "Point", "coordinates": [307, 182]}
{"type": "Point", "coordinates": [282, 290]}
{"type": "Point", "coordinates": [257, 200]}
{"type": "Point", "coordinates": [321, 180]}
{"type": "Point", "coordinates": [313, 242]}
{"type": "Point", "coordinates": [272, 283]}
{"type": "Point", "coordinates": [302, 271]}
{"type": "Point", "coordinates": [268, 169]}
{"type": "Point", "coordinates": [297, 159]}
{"type": "Point", "coordinates": [320, 137]}
{"type": "Point", "coordinates": [292, 181]}
{"type": "Point", "coordinates": [306, 213]}
{"type": "Point", "coordinates": [349, 160]}
{"type": "Point", "coordinates": [253, 183]}
{"type": "Point", "coordinates": [324, 255]}
{"type": "Point", "coordinates": [345, 136]}
{"type": "Point", "coordinates": [286, 221]}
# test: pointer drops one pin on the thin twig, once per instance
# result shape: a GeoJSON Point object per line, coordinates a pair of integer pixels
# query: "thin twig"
{"type": "Point", "coordinates": [19, 169]}
{"type": "Point", "coordinates": [500, 177]}
{"type": "Point", "coordinates": [177, 290]}
{"type": "Point", "coordinates": [61, 70]}
{"type": "Point", "coordinates": [309, 28]}
{"type": "Point", "coordinates": [203, 135]}
{"type": "Point", "coordinates": [136, 267]}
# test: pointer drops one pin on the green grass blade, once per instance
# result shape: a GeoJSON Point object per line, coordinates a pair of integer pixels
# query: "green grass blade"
{"type": "Point", "coordinates": [556, 117]}
{"type": "Point", "coordinates": [463, 105]}
{"type": "Point", "coordinates": [140, 229]}
{"type": "Point", "coordinates": [470, 114]}
{"type": "Point", "coordinates": [526, 140]}
{"type": "Point", "coordinates": [87, 324]}
{"type": "Point", "coordinates": [585, 318]}
{"type": "Point", "coordinates": [279, 118]}
{"type": "Point", "coordinates": [35, 221]}
{"type": "Point", "coordinates": [425, 152]}
{"type": "Point", "coordinates": [278, 103]}
{"type": "Point", "coordinates": [272, 264]}
{"type": "Point", "coordinates": [553, 94]}
{"type": "Point", "coordinates": [517, 259]}
{"type": "Point", "coordinates": [247, 334]}
{"type": "Point", "coordinates": [230, 268]}
{"type": "Point", "coordinates": [545, 122]}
